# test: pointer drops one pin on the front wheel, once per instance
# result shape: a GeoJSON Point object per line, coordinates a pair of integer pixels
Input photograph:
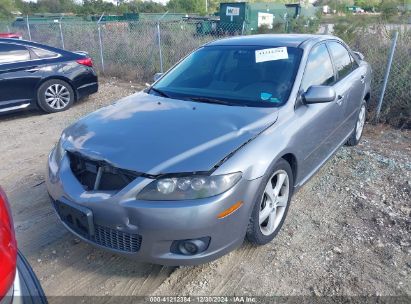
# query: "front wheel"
{"type": "Point", "coordinates": [355, 136]}
{"type": "Point", "coordinates": [272, 204]}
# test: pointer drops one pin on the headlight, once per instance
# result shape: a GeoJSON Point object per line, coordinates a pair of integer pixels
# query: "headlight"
{"type": "Point", "coordinates": [58, 152]}
{"type": "Point", "coordinates": [188, 187]}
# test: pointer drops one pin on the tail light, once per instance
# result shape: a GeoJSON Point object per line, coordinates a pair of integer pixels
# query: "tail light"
{"type": "Point", "coordinates": [85, 61]}
{"type": "Point", "coordinates": [8, 247]}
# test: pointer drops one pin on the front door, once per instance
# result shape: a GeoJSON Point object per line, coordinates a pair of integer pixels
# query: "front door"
{"type": "Point", "coordinates": [19, 76]}
{"type": "Point", "coordinates": [320, 122]}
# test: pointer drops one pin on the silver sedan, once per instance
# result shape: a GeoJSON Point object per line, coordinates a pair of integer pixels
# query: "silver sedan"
{"type": "Point", "coordinates": [212, 152]}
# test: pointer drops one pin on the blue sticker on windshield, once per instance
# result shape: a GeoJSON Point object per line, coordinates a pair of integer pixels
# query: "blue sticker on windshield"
{"type": "Point", "coordinates": [275, 100]}
{"type": "Point", "coordinates": [265, 96]}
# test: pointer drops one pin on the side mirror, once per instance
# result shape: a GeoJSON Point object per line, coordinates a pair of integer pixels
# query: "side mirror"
{"type": "Point", "coordinates": [319, 94]}
{"type": "Point", "coordinates": [359, 55]}
{"type": "Point", "coordinates": [157, 76]}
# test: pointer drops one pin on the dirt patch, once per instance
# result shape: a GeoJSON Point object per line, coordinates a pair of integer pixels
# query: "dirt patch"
{"type": "Point", "coordinates": [347, 232]}
{"type": "Point", "coordinates": [64, 265]}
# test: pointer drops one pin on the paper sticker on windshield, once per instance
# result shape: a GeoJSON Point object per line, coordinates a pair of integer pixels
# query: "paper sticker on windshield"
{"type": "Point", "coordinates": [271, 54]}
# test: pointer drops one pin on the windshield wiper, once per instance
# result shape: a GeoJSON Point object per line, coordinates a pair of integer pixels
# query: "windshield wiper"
{"type": "Point", "coordinates": [211, 100]}
{"type": "Point", "coordinates": [159, 92]}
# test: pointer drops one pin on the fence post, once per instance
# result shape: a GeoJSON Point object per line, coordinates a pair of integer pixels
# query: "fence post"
{"type": "Point", "coordinates": [61, 33]}
{"type": "Point", "coordinates": [28, 26]}
{"type": "Point", "coordinates": [100, 42]}
{"type": "Point", "coordinates": [159, 42]}
{"type": "Point", "coordinates": [286, 22]}
{"type": "Point", "coordinates": [242, 29]}
{"type": "Point", "coordinates": [159, 46]}
{"type": "Point", "coordinates": [387, 74]}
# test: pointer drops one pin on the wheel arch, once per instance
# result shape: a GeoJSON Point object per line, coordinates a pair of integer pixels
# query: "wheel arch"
{"type": "Point", "coordinates": [292, 160]}
{"type": "Point", "coordinates": [59, 77]}
{"type": "Point", "coordinates": [367, 97]}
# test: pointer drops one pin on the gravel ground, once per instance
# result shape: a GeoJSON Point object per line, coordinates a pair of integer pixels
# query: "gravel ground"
{"type": "Point", "coordinates": [347, 231]}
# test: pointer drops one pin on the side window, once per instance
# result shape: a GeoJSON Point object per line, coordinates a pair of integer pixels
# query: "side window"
{"type": "Point", "coordinates": [41, 53]}
{"type": "Point", "coordinates": [319, 69]}
{"type": "Point", "coordinates": [342, 59]}
{"type": "Point", "coordinates": [13, 53]}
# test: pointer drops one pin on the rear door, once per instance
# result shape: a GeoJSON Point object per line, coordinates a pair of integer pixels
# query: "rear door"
{"type": "Point", "coordinates": [349, 87]}
{"type": "Point", "coordinates": [19, 75]}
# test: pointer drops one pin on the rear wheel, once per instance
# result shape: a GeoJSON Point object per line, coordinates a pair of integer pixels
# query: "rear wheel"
{"type": "Point", "coordinates": [55, 95]}
{"type": "Point", "coordinates": [272, 205]}
{"type": "Point", "coordinates": [359, 126]}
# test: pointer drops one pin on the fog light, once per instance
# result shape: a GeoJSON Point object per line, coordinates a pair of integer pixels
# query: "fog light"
{"type": "Point", "coordinates": [190, 247]}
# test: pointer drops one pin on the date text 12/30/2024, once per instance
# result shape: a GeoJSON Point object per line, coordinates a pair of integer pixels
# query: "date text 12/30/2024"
{"type": "Point", "coordinates": [202, 299]}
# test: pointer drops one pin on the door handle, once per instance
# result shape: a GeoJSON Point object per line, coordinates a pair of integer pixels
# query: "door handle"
{"type": "Point", "coordinates": [340, 99]}
{"type": "Point", "coordinates": [33, 70]}
{"type": "Point", "coordinates": [362, 78]}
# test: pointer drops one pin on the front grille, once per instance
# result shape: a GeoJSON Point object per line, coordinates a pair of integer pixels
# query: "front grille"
{"type": "Point", "coordinates": [115, 239]}
{"type": "Point", "coordinates": [104, 236]}
{"type": "Point", "coordinates": [99, 175]}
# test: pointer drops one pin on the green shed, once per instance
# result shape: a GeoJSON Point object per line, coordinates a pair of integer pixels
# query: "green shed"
{"type": "Point", "coordinates": [46, 18]}
{"type": "Point", "coordinates": [251, 16]}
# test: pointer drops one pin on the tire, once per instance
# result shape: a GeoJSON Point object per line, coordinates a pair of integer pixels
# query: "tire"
{"type": "Point", "coordinates": [263, 233]}
{"type": "Point", "coordinates": [356, 135]}
{"type": "Point", "coordinates": [30, 288]}
{"type": "Point", "coordinates": [55, 95]}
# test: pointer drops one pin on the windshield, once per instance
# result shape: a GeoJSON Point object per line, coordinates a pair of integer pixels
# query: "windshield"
{"type": "Point", "coordinates": [233, 75]}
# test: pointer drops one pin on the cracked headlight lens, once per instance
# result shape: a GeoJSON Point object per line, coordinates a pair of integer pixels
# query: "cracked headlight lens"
{"type": "Point", "coordinates": [188, 187]}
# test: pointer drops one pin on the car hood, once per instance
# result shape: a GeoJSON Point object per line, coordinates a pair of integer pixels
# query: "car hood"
{"type": "Point", "coordinates": [157, 135]}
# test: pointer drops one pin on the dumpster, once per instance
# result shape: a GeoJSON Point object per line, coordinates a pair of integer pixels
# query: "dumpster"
{"type": "Point", "coordinates": [244, 16]}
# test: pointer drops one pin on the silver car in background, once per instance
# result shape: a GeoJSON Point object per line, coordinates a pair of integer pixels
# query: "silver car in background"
{"type": "Point", "coordinates": [212, 152]}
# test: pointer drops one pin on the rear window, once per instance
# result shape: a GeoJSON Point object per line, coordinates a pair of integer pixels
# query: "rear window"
{"type": "Point", "coordinates": [41, 53]}
{"type": "Point", "coordinates": [342, 59]}
{"type": "Point", "coordinates": [10, 53]}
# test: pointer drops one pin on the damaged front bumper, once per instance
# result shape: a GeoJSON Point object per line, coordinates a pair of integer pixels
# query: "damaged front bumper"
{"type": "Point", "coordinates": [149, 230]}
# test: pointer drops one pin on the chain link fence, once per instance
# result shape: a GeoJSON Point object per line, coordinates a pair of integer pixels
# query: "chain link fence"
{"type": "Point", "coordinates": [138, 50]}
{"type": "Point", "coordinates": [376, 43]}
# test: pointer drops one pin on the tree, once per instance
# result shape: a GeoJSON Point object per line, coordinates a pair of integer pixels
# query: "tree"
{"type": "Point", "coordinates": [139, 6]}
{"type": "Point", "coordinates": [46, 6]}
{"type": "Point", "coordinates": [6, 7]}
{"type": "Point", "coordinates": [388, 8]}
{"type": "Point", "coordinates": [97, 7]}
{"type": "Point", "coordinates": [26, 8]}
{"type": "Point", "coordinates": [367, 5]}
{"type": "Point", "coordinates": [187, 6]}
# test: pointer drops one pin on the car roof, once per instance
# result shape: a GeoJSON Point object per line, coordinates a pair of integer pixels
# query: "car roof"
{"type": "Point", "coordinates": [23, 42]}
{"type": "Point", "coordinates": [289, 40]}
{"type": "Point", "coordinates": [39, 45]}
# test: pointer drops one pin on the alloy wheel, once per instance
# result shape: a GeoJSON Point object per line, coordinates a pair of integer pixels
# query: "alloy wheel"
{"type": "Point", "coordinates": [274, 202]}
{"type": "Point", "coordinates": [57, 96]}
